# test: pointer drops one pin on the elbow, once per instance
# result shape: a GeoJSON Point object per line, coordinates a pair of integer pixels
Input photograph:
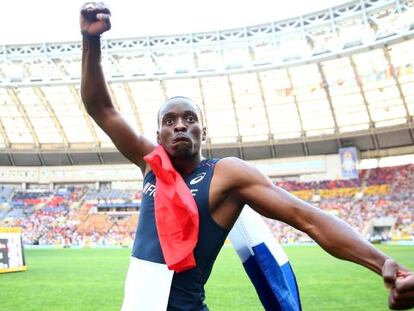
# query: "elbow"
{"type": "Point", "coordinates": [87, 102]}
{"type": "Point", "coordinates": [89, 107]}
{"type": "Point", "coordinates": [311, 229]}
{"type": "Point", "coordinates": [96, 112]}
{"type": "Point", "coordinates": [304, 220]}
{"type": "Point", "coordinates": [90, 104]}
{"type": "Point", "coordinates": [312, 223]}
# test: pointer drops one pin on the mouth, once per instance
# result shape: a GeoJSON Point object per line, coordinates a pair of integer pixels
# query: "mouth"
{"type": "Point", "coordinates": [180, 139]}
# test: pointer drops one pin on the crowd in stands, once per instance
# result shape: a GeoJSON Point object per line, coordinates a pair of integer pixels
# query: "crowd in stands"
{"type": "Point", "coordinates": [384, 193]}
{"type": "Point", "coordinates": [68, 217]}
{"type": "Point", "coordinates": [378, 204]}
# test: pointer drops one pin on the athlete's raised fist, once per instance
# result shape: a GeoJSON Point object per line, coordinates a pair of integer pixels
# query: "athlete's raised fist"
{"type": "Point", "coordinates": [94, 18]}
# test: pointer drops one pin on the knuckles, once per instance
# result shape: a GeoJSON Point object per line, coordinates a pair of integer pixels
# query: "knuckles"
{"type": "Point", "coordinates": [90, 15]}
{"type": "Point", "coordinates": [89, 10]}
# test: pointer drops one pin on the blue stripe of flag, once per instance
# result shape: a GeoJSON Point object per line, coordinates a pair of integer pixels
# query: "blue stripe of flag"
{"type": "Point", "coordinates": [276, 285]}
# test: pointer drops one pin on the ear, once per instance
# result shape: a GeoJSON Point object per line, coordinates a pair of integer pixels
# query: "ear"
{"type": "Point", "coordinates": [158, 138]}
{"type": "Point", "coordinates": [204, 134]}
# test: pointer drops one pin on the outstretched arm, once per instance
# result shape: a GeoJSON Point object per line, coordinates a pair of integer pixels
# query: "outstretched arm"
{"type": "Point", "coordinates": [331, 233]}
{"type": "Point", "coordinates": [95, 20]}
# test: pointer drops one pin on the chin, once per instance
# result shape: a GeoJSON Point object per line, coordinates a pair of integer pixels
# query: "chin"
{"type": "Point", "coordinates": [181, 152]}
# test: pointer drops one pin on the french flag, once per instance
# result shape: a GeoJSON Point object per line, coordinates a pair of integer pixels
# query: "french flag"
{"type": "Point", "coordinates": [147, 284]}
{"type": "Point", "coordinates": [265, 262]}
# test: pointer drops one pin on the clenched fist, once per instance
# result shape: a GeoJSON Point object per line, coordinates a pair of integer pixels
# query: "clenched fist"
{"type": "Point", "coordinates": [400, 282]}
{"type": "Point", "coordinates": [94, 18]}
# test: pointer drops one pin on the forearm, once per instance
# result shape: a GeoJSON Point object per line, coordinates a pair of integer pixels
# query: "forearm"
{"type": "Point", "coordinates": [342, 241]}
{"type": "Point", "coordinates": [330, 232]}
{"type": "Point", "coordinates": [94, 90]}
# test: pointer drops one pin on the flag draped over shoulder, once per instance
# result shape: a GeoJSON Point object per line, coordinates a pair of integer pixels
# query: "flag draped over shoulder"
{"type": "Point", "coordinates": [265, 262]}
{"type": "Point", "coordinates": [176, 213]}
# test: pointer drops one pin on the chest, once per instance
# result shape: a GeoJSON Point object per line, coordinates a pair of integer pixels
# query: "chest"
{"type": "Point", "coordinates": [198, 183]}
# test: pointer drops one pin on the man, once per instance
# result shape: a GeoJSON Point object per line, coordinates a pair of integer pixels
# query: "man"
{"type": "Point", "coordinates": [230, 184]}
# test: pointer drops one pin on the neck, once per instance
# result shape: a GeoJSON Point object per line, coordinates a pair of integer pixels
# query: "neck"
{"type": "Point", "coordinates": [185, 165]}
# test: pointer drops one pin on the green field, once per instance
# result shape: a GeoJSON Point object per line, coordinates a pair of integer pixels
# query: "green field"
{"type": "Point", "coordinates": [92, 279]}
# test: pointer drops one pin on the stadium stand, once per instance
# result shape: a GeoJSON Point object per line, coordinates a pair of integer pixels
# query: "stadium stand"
{"type": "Point", "coordinates": [71, 216]}
{"type": "Point", "coordinates": [386, 194]}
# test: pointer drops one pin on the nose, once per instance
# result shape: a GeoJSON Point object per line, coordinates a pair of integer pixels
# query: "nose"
{"type": "Point", "coordinates": [180, 126]}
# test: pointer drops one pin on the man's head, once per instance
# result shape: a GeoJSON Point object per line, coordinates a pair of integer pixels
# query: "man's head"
{"type": "Point", "coordinates": [180, 127]}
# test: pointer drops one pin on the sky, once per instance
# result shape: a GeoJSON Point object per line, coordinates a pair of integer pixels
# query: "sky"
{"type": "Point", "coordinates": [38, 21]}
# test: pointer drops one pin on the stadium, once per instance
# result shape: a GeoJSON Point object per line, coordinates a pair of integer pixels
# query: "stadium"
{"type": "Point", "coordinates": [321, 103]}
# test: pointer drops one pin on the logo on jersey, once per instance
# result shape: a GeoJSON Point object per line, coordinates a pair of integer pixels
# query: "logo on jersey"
{"type": "Point", "coordinates": [197, 179]}
{"type": "Point", "coordinates": [149, 189]}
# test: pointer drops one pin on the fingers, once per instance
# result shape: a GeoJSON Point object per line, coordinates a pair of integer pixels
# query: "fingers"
{"type": "Point", "coordinates": [90, 10]}
{"type": "Point", "coordinates": [103, 16]}
{"type": "Point", "coordinates": [403, 273]}
{"type": "Point", "coordinates": [398, 301]}
{"type": "Point", "coordinates": [401, 305]}
{"type": "Point", "coordinates": [402, 294]}
{"type": "Point", "coordinates": [405, 284]}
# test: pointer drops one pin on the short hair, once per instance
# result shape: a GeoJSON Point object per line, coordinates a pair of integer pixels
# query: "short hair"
{"type": "Point", "coordinates": [184, 98]}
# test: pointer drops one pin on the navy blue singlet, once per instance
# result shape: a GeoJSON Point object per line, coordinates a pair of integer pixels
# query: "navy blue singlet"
{"type": "Point", "coordinates": [187, 288]}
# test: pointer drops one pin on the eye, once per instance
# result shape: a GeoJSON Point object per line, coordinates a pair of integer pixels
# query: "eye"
{"type": "Point", "coordinates": [190, 119]}
{"type": "Point", "coordinates": [169, 121]}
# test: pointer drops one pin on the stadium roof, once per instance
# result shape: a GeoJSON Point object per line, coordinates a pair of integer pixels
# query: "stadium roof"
{"type": "Point", "coordinates": [302, 86]}
{"type": "Point", "coordinates": [131, 18]}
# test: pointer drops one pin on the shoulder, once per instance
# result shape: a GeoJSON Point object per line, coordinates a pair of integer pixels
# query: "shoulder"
{"type": "Point", "coordinates": [237, 172]}
{"type": "Point", "coordinates": [235, 165]}
{"type": "Point", "coordinates": [237, 180]}
{"type": "Point", "coordinates": [227, 162]}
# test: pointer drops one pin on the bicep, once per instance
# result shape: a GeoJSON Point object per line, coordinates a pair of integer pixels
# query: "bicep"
{"type": "Point", "coordinates": [276, 203]}
{"type": "Point", "coordinates": [271, 201]}
{"type": "Point", "coordinates": [132, 145]}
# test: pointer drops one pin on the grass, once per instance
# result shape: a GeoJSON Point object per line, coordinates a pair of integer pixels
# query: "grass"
{"type": "Point", "coordinates": [92, 279]}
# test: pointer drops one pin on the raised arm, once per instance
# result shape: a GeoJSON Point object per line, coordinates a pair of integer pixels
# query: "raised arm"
{"type": "Point", "coordinates": [95, 20]}
{"type": "Point", "coordinates": [331, 233]}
